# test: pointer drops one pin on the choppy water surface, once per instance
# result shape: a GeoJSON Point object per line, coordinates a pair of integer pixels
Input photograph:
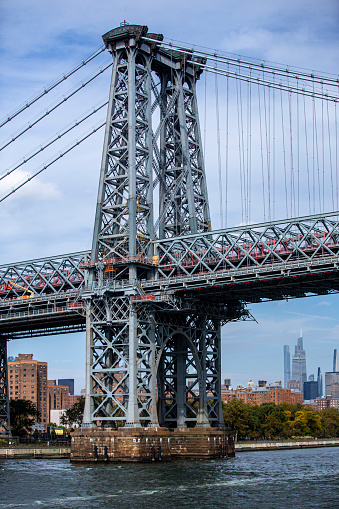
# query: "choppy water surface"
{"type": "Point", "coordinates": [273, 479]}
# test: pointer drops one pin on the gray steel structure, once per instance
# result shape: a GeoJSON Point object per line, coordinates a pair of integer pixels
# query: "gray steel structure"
{"type": "Point", "coordinates": [153, 295]}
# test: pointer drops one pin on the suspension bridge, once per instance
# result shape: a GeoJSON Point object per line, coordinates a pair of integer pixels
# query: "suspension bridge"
{"type": "Point", "coordinates": [159, 282]}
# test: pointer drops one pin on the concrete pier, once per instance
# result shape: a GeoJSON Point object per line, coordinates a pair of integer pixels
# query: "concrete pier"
{"type": "Point", "coordinates": [150, 444]}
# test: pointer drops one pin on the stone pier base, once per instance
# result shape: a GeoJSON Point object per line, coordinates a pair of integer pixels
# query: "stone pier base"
{"type": "Point", "coordinates": [150, 444]}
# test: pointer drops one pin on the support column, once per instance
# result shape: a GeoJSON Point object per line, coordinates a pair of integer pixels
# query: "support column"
{"type": "Point", "coordinates": [218, 384]}
{"type": "Point", "coordinates": [154, 413]}
{"type": "Point", "coordinates": [202, 419]}
{"type": "Point", "coordinates": [87, 420]}
{"type": "Point", "coordinates": [5, 426]}
{"type": "Point", "coordinates": [132, 409]}
{"type": "Point", "coordinates": [181, 382]}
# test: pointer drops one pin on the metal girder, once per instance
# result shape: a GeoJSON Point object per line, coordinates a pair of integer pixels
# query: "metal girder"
{"type": "Point", "coordinates": [44, 276]}
{"type": "Point", "coordinates": [307, 242]}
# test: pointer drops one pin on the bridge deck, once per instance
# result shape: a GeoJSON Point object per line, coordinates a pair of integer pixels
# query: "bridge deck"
{"type": "Point", "coordinates": [270, 261]}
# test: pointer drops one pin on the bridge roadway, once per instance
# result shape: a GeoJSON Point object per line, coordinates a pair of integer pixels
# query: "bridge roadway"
{"type": "Point", "coordinates": [268, 261]}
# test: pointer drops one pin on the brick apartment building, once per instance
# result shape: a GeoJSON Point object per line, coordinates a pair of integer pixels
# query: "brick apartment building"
{"type": "Point", "coordinates": [263, 393]}
{"type": "Point", "coordinates": [58, 396]}
{"type": "Point", "coordinates": [28, 380]}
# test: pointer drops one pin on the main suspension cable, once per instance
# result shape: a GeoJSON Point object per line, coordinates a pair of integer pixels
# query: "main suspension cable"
{"type": "Point", "coordinates": [46, 165]}
{"type": "Point", "coordinates": [41, 148]}
{"type": "Point", "coordinates": [273, 69]}
{"type": "Point", "coordinates": [54, 106]}
{"type": "Point", "coordinates": [50, 87]}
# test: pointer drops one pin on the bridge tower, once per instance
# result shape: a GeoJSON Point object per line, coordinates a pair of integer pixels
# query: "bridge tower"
{"type": "Point", "coordinates": [151, 359]}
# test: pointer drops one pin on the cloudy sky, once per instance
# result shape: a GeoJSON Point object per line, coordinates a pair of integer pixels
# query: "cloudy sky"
{"type": "Point", "coordinates": [39, 41]}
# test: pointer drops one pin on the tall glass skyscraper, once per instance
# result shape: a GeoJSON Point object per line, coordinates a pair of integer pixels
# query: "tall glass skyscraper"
{"type": "Point", "coordinates": [335, 361]}
{"type": "Point", "coordinates": [299, 363]}
{"type": "Point", "coordinates": [287, 365]}
{"type": "Point", "coordinates": [320, 384]}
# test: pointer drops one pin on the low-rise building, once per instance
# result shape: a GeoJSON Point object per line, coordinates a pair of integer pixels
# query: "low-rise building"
{"type": "Point", "coordinates": [268, 393]}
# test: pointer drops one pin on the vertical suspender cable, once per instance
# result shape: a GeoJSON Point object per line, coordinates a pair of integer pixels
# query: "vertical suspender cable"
{"type": "Point", "coordinates": [250, 154]}
{"type": "Point", "coordinates": [240, 155]}
{"type": "Point", "coordinates": [226, 154]}
{"type": "Point", "coordinates": [273, 149]}
{"type": "Point", "coordinates": [291, 153]}
{"type": "Point", "coordinates": [262, 157]}
{"type": "Point", "coordinates": [284, 152]}
{"type": "Point", "coordinates": [248, 141]}
{"type": "Point", "coordinates": [336, 154]}
{"type": "Point", "coordinates": [219, 155]}
{"type": "Point", "coordinates": [205, 111]}
{"type": "Point", "coordinates": [330, 154]}
{"type": "Point", "coordinates": [267, 153]}
{"type": "Point", "coordinates": [243, 151]}
{"type": "Point", "coordinates": [316, 150]}
{"type": "Point", "coordinates": [298, 154]}
{"type": "Point", "coordinates": [307, 162]}
{"type": "Point", "coordinates": [322, 143]}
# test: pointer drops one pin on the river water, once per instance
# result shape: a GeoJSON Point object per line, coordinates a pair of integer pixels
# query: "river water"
{"type": "Point", "coordinates": [295, 479]}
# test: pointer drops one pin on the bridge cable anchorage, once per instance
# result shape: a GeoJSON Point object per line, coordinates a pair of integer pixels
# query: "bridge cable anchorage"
{"type": "Point", "coordinates": [58, 136]}
{"type": "Point", "coordinates": [49, 163]}
{"type": "Point", "coordinates": [50, 87]}
{"type": "Point", "coordinates": [55, 105]}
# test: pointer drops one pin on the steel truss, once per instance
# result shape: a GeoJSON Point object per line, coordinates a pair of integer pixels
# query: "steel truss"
{"type": "Point", "coordinates": [152, 125]}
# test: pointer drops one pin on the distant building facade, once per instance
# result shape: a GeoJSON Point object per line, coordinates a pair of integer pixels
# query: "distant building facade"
{"type": "Point", "coordinates": [299, 362]}
{"type": "Point", "coordinates": [58, 396]}
{"type": "Point", "coordinates": [69, 382]}
{"type": "Point", "coordinates": [293, 385]}
{"type": "Point", "coordinates": [335, 360]}
{"type": "Point", "coordinates": [331, 377]}
{"type": "Point", "coordinates": [320, 384]}
{"type": "Point", "coordinates": [28, 380]}
{"type": "Point", "coordinates": [287, 365]}
{"type": "Point", "coordinates": [270, 393]}
{"type": "Point", "coordinates": [310, 390]}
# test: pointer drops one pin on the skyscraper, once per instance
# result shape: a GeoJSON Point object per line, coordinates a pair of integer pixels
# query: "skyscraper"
{"type": "Point", "coordinates": [287, 365]}
{"type": "Point", "coordinates": [320, 384]}
{"type": "Point", "coordinates": [299, 362]}
{"type": "Point", "coordinates": [335, 361]}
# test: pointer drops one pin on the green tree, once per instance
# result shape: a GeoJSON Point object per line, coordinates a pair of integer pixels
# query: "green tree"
{"type": "Point", "coordinates": [306, 422]}
{"type": "Point", "coordinates": [23, 414]}
{"type": "Point", "coordinates": [75, 414]}
{"type": "Point", "coordinates": [236, 416]}
{"type": "Point", "coordinates": [330, 422]}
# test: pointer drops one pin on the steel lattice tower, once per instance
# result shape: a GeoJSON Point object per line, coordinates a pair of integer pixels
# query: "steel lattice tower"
{"type": "Point", "coordinates": [143, 349]}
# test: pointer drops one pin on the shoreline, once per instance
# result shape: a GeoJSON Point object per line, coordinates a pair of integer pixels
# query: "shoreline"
{"type": "Point", "coordinates": [64, 452]}
{"type": "Point", "coordinates": [275, 445]}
